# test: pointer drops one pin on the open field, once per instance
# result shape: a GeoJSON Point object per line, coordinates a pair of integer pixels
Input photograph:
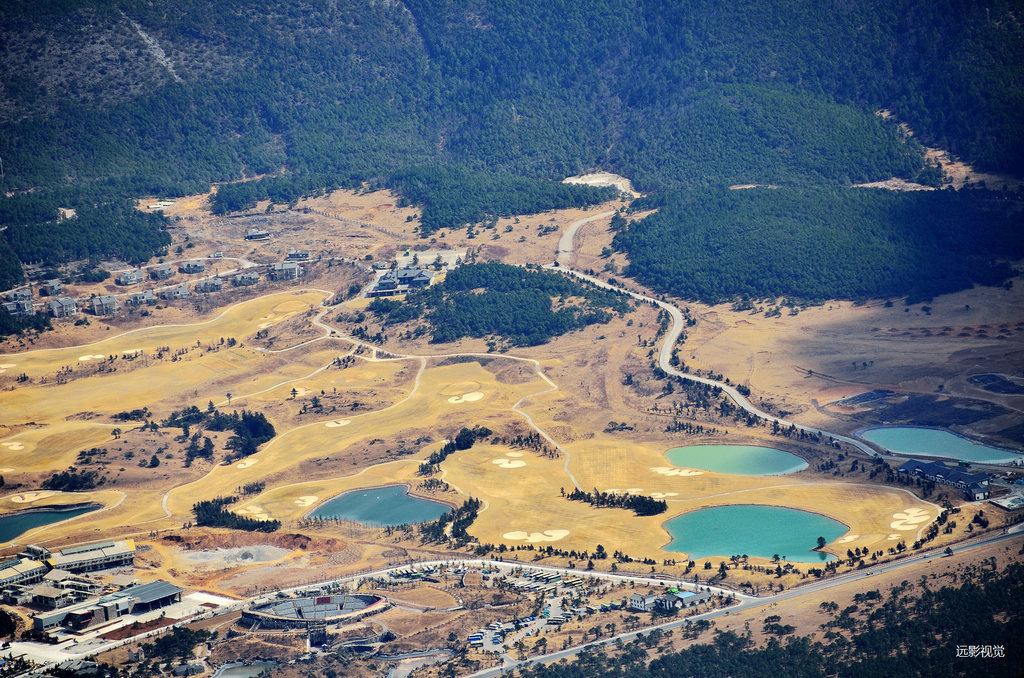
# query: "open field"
{"type": "Point", "coordinates": [350, 414]}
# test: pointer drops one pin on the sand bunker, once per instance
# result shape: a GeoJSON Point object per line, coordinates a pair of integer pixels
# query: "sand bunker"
{"type": "Point", "coordinates": [662, 495]}
{"type": "Point", "coordinates": [7, 469]}
{"type": "Point", "coordinates": [247, 463]}
{"type": "Point", "coordinates": [253, 511]}
{"type": "Point", "coordinates": [299, 391]}
{"type": "Point", "coordinates": [337, 423]}
{"type": "Point", "coordinates": [306, 500]}
{"type": "Point", "coordinates": [91, 356]}
{"type": "Point", "coordinates": [460, 387]}
{"type": "Point", "coordinates": [29, 497]}
{"type": "Point", "coordinates": [513, 454]}
{"type": "Point", "coordinates": [264, 326]}
{"type": "Point", "coordinates": [534, 537]}
{"type": "Point", "coordinates": [909, 519]}
{"type": "Point", "coordinates": [894, 537]}
{"type": "Point", "coordinates": [628, 490]}
{"type": "Point", "coordinates": [6, 366]}
{"type": "Point", "coordinates": [673, 471]}
{"type": "Point", "coordinates": [508, 463]}
{"type": "Point", "coordinates": [847, 539]}
{"type": "Point", "coordinates": [14, 446]}
{"type": "Point", "coordinates": [470, 397]}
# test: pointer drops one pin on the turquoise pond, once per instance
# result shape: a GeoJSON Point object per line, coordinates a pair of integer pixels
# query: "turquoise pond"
{"type": "Point", "coordinates": [761, 531]}
{"type": "Point", "coordinates": [935, 442]}
{"type": "Point", "coordinates": [19, 523]}
{"type": "Point", "coordinates": [748, 460]}
{"type": "Point", "coordinates": [381, 507]}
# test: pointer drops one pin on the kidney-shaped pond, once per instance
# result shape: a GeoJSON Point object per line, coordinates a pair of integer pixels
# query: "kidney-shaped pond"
{"type": "Point", "coordinates": [935, 442]}
{"type": "Point", "coordinates": [762, 531]}
{"type": "Point", "coordinates": [12, 525]}
{"type": "Point", "coordinates": [749, 460]}
{"type": "Point", "coordinates": [386, 506]}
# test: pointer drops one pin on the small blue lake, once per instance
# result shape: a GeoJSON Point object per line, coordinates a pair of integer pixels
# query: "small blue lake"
{"type": "Point", "coordinates": [761, 531]}
{"type": "Point", "coordinates": [749, 460]}
{"type": "Point", "coordinates": [381, 507]}
{"type": "Point", "coordinates": [935, 442]}
{"type": "Point", "coordinates": [19, 523]}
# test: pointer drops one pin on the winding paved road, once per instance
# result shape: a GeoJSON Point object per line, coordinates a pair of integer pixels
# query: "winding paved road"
{"type": "Point", "coordinates": [563, 263]}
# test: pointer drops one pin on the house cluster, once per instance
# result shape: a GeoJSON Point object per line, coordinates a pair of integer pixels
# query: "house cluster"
{"type": "Point", "coordinates": [974, 485]}
{"type": "Point", "coordinates": [400, 281]}
{"type": "Point", "coordinates": [56, 583]}
{"type": "Point", "coordinates": [19, 302]}
{"type": "Point", "coordinates": [673, 599]}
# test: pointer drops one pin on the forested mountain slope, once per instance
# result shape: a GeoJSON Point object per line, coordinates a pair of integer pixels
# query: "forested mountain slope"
{"type": "Point", "coordinates": [106, 99]}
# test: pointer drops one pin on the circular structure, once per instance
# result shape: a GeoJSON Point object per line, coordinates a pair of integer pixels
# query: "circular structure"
{"type": "Point", "coordinates": [300, 613]}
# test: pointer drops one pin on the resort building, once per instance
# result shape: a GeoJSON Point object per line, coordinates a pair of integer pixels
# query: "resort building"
{"type": "Point", "coordinates": [63, 307]}
{"type": "Point", "coordinates": [673, 600]}
{"type": "Point", "coordinates": [974, 485]}
{"type": "Point", "coordinates": [133, 600]}
{"type": "Point", "coordinates": [140, 298]}
{"type": "Point", "coordinates": [400, 281]}
{"type": "Point", "coordinates": [245, 279]}
{"type": "Point", "coordinates": [286, 270]}
{"type": "Point", "coordinates": [105, 304]}
{"type": "Point", "coordinates": [174, 293]}
{"type": "Point", "coordinates": [93, 556]}
{"type": "Point", "coordinates": [197, 266]}
{"type": "Point", "coordinates": [133, 277]}
{"type": "Point", "coordinates": [52, 288]}
{"type": "Point", "coordinates": [19, 307]}
{"type": "Point", "coordinates": [21, 571]}
{"type": "Point", "coordinates": [161, 272]}
{"type": "Point", "coordinates": [210, 285]}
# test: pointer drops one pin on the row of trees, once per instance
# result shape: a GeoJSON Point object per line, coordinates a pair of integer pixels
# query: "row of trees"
{"type": "Point", "coordinates": [640, 504]}
{"type": "Point", "coordinates": [212, 513]}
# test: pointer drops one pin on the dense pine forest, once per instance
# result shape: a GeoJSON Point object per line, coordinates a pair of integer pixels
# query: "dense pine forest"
{"type": "Point", "coordinates": [821, 243]}
{"type": "Point", "coordinates": [476, 108]}
{"type": "Point", "coordinates": [515, 304]}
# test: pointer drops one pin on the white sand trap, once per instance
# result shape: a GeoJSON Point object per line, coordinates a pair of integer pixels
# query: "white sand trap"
{"type": "Point", "coordinates": [254, 511]}
{"type": "Point", "coordinates": [14, 446]}
{"type": "Point", "coordinates": [628, 490]}
{"type": "Point", "coordinates": [662, 495]}
{"type": "Point", "coordinates": [508, 463]}
{"type": "Point", "coordinates": [470, 397]}
{"type": "Point", "coordinates": [337, 423]}
{"type": "Point", "coordinates": [264, 326]}
{"type": "Point", "coordinates": [534, 537]}
{"type": "Point", "coordinates": [299, 391]}
{"type": "Point", "coordinates": [7, 469]}
{"type": "Point", "coordinates": [7, 366]}
{"type": "Point", "coordinates": [513, 454]}
{"type": "Point", "coordinates": [247, 463]}
{"type": "Point", "coordinates": [673, 471]}
{"type": "Point", "coordinates": [306, 500]}
{"type": "Point", "coordinates": [29, 497]}
{"type": "Point", "coordinates": [91, 356]}
{"type": "Point", "coordinates": [847, 539]}
{"type": "Point", "coordinates": [894, 537]}
{"type": "Point", "coordinates": [909, 519]}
